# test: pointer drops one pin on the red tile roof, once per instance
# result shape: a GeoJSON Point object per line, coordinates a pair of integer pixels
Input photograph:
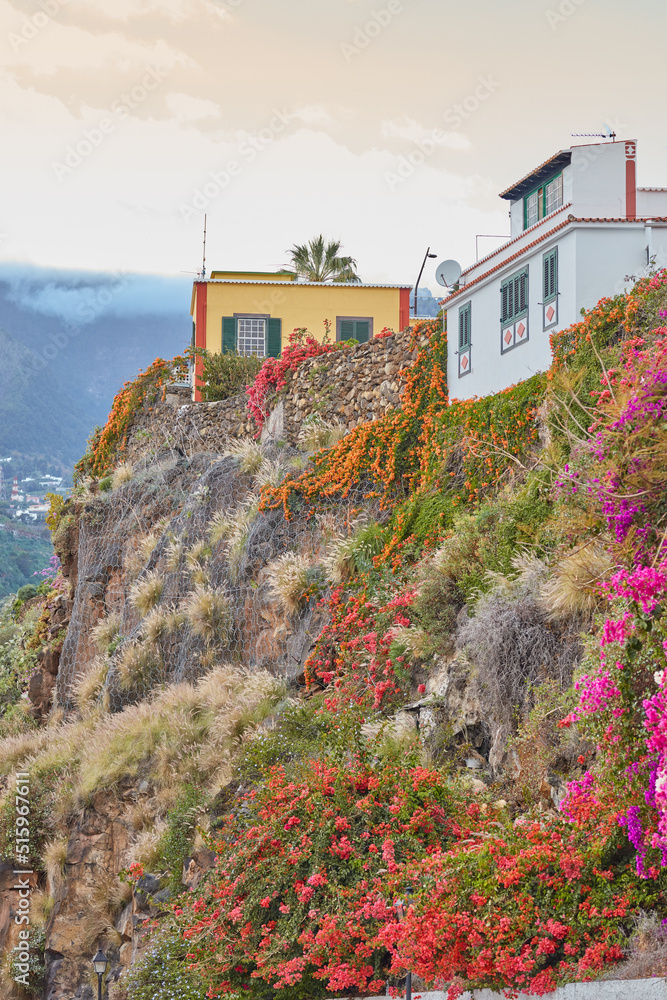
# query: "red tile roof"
{"type": "Point", "coordinates": [534, 243]}
{"type": "Point", "coordinates": [515, 238]}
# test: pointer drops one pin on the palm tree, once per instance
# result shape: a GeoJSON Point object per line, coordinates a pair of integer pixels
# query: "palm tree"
{"type": "Point", "coordinates": [320, 261]}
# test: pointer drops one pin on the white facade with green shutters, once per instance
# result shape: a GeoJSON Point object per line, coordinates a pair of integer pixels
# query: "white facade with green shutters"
{"type": "Point", "coordinates": [579, 228]}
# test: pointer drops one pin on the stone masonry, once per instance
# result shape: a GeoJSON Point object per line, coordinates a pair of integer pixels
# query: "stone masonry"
{"type": "Point", "coordinates": [349, 386]}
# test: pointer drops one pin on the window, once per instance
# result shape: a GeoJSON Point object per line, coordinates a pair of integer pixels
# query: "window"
{"type": "Point", "coordinates": [465, 340]}
{"type": "Point", "coordinates": [464, 327]}
{"type": "Point", "coordinates": [260, 336]}
{"type": "Point", "coordinates": [251, 337]}
{"type": "Point", "coordinates": [514, 297]}
{"type": "Point", "coordinates": [550, 271]}
{"type": "Point", "coordinates": [354, 328]}
{"type": "Point", "coordinates": [543, 201]}
{"type": "Point", "coordinates": [553, 195]}
{"type": "Point", "coordinates": [532, 209]}
{"type": "Point", "coordinates": [514, 311]}
{"type": "Point", "coordinates": [550, 289]}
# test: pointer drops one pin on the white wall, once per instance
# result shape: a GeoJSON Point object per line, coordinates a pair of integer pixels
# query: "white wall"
{"type": "Point", "coordinates": [651, 204]}
{"type": "Point", "coordinates": [606, 254]}
{"type": "Point", "coordinates": [490, 370]}
{"type": "Point", "coordinates": [598, 180]}
{"type": "Point", "coordinates": [657, 244]}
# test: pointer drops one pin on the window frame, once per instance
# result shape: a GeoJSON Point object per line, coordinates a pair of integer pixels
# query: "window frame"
{"type": "Point", "coordinates": [520, 313]}
{"type": "Point", "coordinates": [550, 299]}
{"type": "Point", "coordinates": [541, 191]}
{"type": "Point", "coordinates": [355, 320]}
{"type": "Point", "coordinates": [509, 322]}
{"type": "Point", "coordinates": [465, 350]}
{"type": "Point", "coordinates": [265, 317]}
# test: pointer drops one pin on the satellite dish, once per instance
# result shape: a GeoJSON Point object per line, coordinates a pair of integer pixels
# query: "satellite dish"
{"type": "Point", "coordinates": [448, 273]}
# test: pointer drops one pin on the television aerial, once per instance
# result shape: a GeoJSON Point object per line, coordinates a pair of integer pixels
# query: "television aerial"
{"type": "Point", "coordinates": [448, 273]}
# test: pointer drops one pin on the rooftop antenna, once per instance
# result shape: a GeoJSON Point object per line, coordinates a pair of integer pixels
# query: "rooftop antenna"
{"type": "Point", "coordinates": [203, 266]}
{"type": "Point", "coordinates": [594, 135]}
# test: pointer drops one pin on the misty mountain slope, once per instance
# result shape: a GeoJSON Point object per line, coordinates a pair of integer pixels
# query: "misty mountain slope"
{"type": "Point", "coordinates": [38, 415]}
{"type": "Point", "coordinates": [69, 342]}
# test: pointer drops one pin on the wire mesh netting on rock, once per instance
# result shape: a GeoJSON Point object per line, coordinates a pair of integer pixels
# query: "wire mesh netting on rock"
{"type": "Point", "coordinates": [178, 570]}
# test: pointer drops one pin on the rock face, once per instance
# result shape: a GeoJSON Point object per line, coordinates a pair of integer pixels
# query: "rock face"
{"type": "Point", "coordinates": [80, 917]}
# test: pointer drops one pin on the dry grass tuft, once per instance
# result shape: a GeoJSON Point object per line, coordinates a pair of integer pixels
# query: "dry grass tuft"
{"type": "Point", "coordinates": [106, 630]}
{"type": "Point", "coordinates": [220, 526]}
{"type": "Point", "coordinates": [89, 686]}
{"type": "Point", "coordinates": [157, 625]}
{"type": "Point", "coordinates": [239, 535]}
{"type": "Point", "coordinates": [145, 849]}
{"type": "Point", "coordinates": [289, 578]}
{"type": "Point", "coordinates": [209, 614]}
{"type": "Point", "coordinates": [54, 857]}
{"type": "Point", "coordinates": [146, 592]}
{"type": "Point", "coordinates": [121, 475]}
{"type": "Point", "coordinates": [573, 590]}
{"type": "Point", "coordinates": [41, 908]}
{"type": "Point", "coordinates": [317, 434]}
{"type": "Point", "coordinates": [139, 666]}
{"type": "Point", "coordinates": [339, 562]}
{"type": "Point", "coordinates": [109, 896]}
{"type": "Point", "coordinates": [147, 545]}
{"type": "Point", "coordinates": [248, 453]}
{"type": "Point", "coordinates": [174, 555]}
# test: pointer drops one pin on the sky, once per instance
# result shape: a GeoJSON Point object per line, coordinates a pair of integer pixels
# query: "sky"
{"type": "Point", "coordinates": [389, 124]}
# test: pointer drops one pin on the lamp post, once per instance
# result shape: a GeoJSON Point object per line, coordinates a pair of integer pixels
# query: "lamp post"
{"type": "Point", "coordinates": [100, 967]}
{"type": "Point", "coordinates": [426, 257]}
{"type": "Point", "coordinates": [400, 913]}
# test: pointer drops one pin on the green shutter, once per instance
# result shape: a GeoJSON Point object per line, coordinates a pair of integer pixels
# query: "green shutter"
{"type": "Point", "coordinates": [550, 263]}
{"type": "Point", "coordinates": [464, 327]}
{"type": "Point", "coordinates": [346, 329]}
{"type": "Point", "coordinates": [362, 331]}
{"type": "Point", "coordinates": [274, 339]}
{"type": "Point", "coordinates": [228, 334]}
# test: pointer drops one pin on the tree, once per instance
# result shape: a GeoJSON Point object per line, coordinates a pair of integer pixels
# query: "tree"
{"type": "Point", "coordinates": [320, 261]}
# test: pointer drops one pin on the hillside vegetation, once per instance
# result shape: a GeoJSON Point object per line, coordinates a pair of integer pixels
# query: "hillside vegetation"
{"type": "Point", "coordinates": [422, 662]}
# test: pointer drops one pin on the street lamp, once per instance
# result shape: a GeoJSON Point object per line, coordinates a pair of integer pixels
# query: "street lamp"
{"type": "Point", "coordinates": [100, 967]}
{"type": "Point", "coordinates": [400, 913]}
{"type": "Point", "coordinates": [426, 257]}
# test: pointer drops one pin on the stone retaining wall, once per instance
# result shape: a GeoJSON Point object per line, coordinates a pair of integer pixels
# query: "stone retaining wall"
{"type": "Point", "coordinates": [349, 386]}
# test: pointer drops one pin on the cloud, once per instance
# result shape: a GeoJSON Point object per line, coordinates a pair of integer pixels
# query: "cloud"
{"type": "Point", "coordinates": [191, 109]}
{"type": "Point", "coordinates": [411, 131]}
{"type": "Point", "coordinates": [80, 297]}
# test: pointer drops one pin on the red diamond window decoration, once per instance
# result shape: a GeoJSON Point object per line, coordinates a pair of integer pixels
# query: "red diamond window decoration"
{"type": "Point", "coordinates": [464, 363]}
{"type": "Point", "coordinates": [508, 336]}
{"type": "Point", "coordinates": [551, 312]}
{"type": "Point", "coordinates": [520, 330]}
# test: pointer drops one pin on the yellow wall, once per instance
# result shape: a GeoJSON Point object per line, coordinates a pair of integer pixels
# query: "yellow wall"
{"type": "Point", "coordinates": [299, 305]}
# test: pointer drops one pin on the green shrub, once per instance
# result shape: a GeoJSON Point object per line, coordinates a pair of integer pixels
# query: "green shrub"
{"type": "Point", "coordinates": [26, 593]}
{"type": "Point", "coordinates": [226, 375]}
{"type": "Point", "coordinates": [176, 844]}
{"type": "Point", "coordinates": [106, 484]}
{"type": "Point", "coordinates": [162, 973]}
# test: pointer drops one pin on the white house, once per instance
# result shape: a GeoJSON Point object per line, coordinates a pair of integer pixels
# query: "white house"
{"type": "Point", "coordinates": [579, 226]}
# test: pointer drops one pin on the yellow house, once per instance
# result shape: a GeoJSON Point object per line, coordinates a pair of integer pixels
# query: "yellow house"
{"type": "Point", "coordinates": [255, 312]}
